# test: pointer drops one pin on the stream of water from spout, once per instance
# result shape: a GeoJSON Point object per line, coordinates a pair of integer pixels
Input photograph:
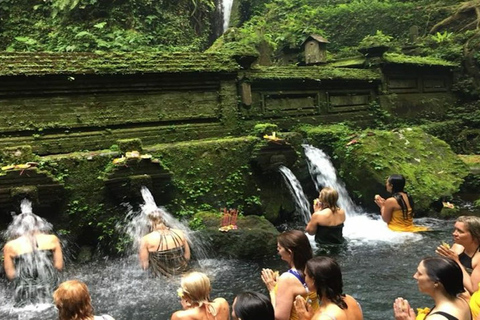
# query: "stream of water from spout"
{"type": "Point", "coordinates": [138, 225]}
{"type": "Point", "coordinates": [359, 226]}
{"type": "Point", "coordinates": [302, 205]}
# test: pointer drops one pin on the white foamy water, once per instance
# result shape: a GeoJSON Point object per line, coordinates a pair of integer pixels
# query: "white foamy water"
{"type": "Point", "coordinates": [359, 227]}
{"type": "Point", "coordinates": [139, 225]}
{"type": "Point", "coordinates": [302, 205]}
{"type": "Point", "coordinates": [227, 10]}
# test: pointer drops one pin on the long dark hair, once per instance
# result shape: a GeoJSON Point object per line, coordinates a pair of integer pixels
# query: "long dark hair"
{"type": "Point", "coordinates": [251, 305]}
{"type": "Point", "coordinates": [447, 272]}
{"type": "Point", "coordinates": [297, 242]}
{"type": "Point", "coordinates": [398, 183]}
{"type": "Point", "coordinates": [327, 277]}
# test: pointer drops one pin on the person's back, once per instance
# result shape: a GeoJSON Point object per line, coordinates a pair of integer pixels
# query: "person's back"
{"type": "Point", "coordinates": [354, 310]}
{"type": "Point", "coordinates": [218, 309]}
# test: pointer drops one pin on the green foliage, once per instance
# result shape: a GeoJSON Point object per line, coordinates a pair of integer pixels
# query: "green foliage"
{"type": "Point", "coordinates": [91, 25]}
{"type": "Point", "coordinates": [442, 37]}
{"type": "Point", "coordinates": [378, 39]}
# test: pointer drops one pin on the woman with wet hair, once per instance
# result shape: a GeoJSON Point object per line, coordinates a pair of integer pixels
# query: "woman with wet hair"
{"type": "Point", "coordinates": [194, 293]}
{"type": "Point", "coordinates": [73, 302]}
{"type": "Point", "coordinates": [32, 258]}
{"type": "Point", "coordinates": [327, 220]}
{"type": "Point", "coordinates": [397, 210]}
{"type": "Point", "coordinates": [165, 251]}
{"type": "Point", "coordinates": [294, 248]}
{"type": "Point", "coordinates": [323, 276]}
{"type": "Point", "coordinates": [251, 305]}
{"type": "Point", "coordinates": [442, 279]}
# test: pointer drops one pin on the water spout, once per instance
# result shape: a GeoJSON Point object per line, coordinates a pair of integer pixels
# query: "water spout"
{"type": "Point", "coordinates": [139, 225]}
{"type": "Point", "coordinates": [301, 203]}
{"type": "Point", "coordinates": [324, 175]}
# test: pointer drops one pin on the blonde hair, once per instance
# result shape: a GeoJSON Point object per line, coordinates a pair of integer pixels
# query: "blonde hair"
{"type": "Point", "coordinates": [329, 197]}
{"type": "Point", "coordinates": [73, 301]}
{"type": "Point", "coordinates": [196, 285]}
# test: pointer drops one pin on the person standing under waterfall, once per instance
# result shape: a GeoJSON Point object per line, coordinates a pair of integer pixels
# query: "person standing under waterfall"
{"type": "Point", "coordinates": [397, 210]}
{"type": "Point", "coordinates": [32, 258]}
{"type": "Point", "coordinates": [294, 248]}
{"type": "Point", "coordinates": [165, 251]}
{"type": "Point", "coordinates": [327, 220]}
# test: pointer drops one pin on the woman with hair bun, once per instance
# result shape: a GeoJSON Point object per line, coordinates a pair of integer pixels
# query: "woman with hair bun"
{"type": "Point", "coordinates": [442, 279]}
{"type": "Point", "coordinates": [165, 251]}
{"type": "Point", "coordinates": [73, 302]}
{"type": "Point", "coordinates": [194, 293]}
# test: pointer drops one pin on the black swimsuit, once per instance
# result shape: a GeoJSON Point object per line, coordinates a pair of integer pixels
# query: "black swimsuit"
{"type": "Point", "coordinates": [329, 234]}
{"type": "Point", "coordinates": [169, 261]}
{"type": "Point", "coordinates": [466, 260]}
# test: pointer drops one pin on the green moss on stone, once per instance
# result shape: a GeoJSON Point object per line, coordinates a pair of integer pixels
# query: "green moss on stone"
{"type": "Point", "coordinates": [431, 168]}
{"type": "Point", "coordinates": [417, 60]}
{"type": "Point", "coordinates": [127, 145]}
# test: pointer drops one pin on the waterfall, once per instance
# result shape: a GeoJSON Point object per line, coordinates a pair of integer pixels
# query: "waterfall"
{"type": "Point", "coordinates": [324, 175]}
{"type": "Point", "coordinates": [138, 225]}
{"type": "Point", "coordinates": [226, 10]}
{"type": "Point", "coordinates": [359, 226]}
{"type": "Point", "coordinates": [301, 203]}
{"type": "Point", "coordinates": [35, 275]}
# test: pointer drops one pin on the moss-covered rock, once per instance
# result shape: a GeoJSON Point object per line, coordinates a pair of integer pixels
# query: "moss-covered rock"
{"type": "Point", "coordinates": [255, 237]}
{"type": "Point", "coordinates": [431, 168]}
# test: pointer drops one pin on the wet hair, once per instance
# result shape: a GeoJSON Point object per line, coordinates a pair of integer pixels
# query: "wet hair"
{"type": "Point", "coordinates": [26, 224]}
{"type": "Point", "coordinates": [329, 197]}
{"type": "Point", "coordinates": [196, 286]}
{"type": "Point", "coordinates": [473, 225]}
{"type": "Point", "coordinates": [251, 305]}
{"type": "Point", "coordinates": [297, 242]}
{"type": "Point", "coordinates": [73, 301]}
{"type": "Point", "coordinates": [327, 277]}
{"type": "Point", "coordinates": [447, 272]}
{"type": "Point", "coordinates": [398, 184]}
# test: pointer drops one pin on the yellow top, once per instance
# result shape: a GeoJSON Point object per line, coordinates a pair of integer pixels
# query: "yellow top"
{"type": "Point", "coordinates": [422, 313]}
{"type": "Point", "coordinates": [398, 223]}
{"type": "Point", "coordinates": [311, 298]}
{"type": "Point", "coordinates": [475, 303]}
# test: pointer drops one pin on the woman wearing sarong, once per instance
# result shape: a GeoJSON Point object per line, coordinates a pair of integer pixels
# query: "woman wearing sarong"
{"type": "Point", "coordinates": [397, 211]}
{"type": "Point", "coordinates": [165, 251]}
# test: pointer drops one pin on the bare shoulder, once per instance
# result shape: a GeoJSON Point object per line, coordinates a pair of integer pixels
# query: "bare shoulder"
{"type": "Point", "coordinates": [188, 314]}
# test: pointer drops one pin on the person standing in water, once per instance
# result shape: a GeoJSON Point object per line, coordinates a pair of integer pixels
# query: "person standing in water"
{"type": "Point", "coordinates": [397, 210]}
{"type": "Point", "coordinates": [32, 258]}
{"type": "Point", "coordinates": [327, 220]}
{"type": "Point", "coordinates": [164, 250]}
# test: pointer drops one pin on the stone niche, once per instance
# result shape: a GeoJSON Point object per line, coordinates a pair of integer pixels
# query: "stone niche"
{"type": "Point", "coordinates": [39, 187]}
{"type": "Point", "coordinates": [125, 181]}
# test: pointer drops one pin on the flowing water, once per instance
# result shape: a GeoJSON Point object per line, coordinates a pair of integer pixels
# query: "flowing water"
{"type": "Point", "coordinates": [227, 10]}
{"type": "Point", "coordinates": [302, 205]}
